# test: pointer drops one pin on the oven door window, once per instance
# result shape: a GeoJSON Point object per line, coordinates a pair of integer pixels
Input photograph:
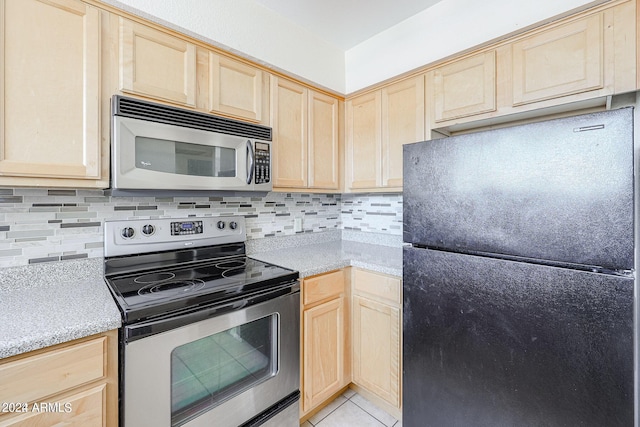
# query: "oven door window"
{"type": "Point", "coordinates": [182, 158]}
{"type": "Point", "coordinates": [207, 372]}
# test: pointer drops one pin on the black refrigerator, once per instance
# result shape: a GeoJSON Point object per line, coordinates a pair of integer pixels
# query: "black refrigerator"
{"type": "Point", "coordinates": [519, 276]}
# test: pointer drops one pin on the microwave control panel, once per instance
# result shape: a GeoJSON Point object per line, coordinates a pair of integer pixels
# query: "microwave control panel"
{"type": "Point", "coordinates": [263, 163]}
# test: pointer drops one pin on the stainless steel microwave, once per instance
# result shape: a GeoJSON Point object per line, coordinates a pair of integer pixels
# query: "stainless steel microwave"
{"type": "Point", "coordinates": [158, 147]}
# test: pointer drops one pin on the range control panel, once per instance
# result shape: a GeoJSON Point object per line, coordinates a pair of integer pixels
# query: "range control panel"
{"type": "Point", "coordinates": [180, 228]}
{"type": "Point", "coordinates": [263, 163]}
{"type": "Point", "coordinates": [134, 236]}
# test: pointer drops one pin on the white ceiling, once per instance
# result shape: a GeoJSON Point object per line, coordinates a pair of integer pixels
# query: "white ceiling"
{"type": "Point", "coordinates": [347, 23]}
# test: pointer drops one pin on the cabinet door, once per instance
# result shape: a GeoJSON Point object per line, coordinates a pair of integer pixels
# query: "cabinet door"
{"type": "Point", "coordinates": [82, 409]}
{"type": "Point", "coordinates": [50, 87]}
{"type": "Point", "coordinates": [156, 64]}
{"type": "Point", "coordinates": [376, 348]}
{"type": "Point", "coordinates": [562, 61]}
{"type": "Point", "coordinates": [465, 87]}
{"type": "Point", "coordinates": [323, 352]}
{"type": "Point", "coordinates": [32, 378]}
{"type": "Point", "coordinates": [69, 384]}
{"type": "Point", "coordinates": [402, 123]}
{"type": "Point", "coordinates": [289, 121]}
{"type": "Point", "coordinates": [235, 88]}
{"type": "Point", "coordinates": [363, 156]}
{"type": "Point", "coordinates": [323, 141]}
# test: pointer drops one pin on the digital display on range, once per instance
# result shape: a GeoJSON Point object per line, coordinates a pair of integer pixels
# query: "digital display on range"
{"type": "Point", "coordinates": [186, 227]}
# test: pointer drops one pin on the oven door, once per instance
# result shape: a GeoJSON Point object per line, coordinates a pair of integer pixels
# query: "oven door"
{"type": "Point", "coordinates": [157, 156]}
{"type": "Point", "coordinates": [222, 371]}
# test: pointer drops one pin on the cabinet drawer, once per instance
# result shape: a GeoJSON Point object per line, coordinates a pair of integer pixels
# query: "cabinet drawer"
{"type": "Point", "coordinates": [41, 375]}
{"type": "Point", "coordinates": [378, 285]}
{"type": "Point", "coordinates": [84, 409]}
{"type": "Point", "coordinates": [322, 287]}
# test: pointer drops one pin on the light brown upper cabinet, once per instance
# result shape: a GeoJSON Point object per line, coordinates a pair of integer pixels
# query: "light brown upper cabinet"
{"type": "Point", "coordinates": [403, 122]}
{"type": "Point", "coordinates": [323, 141]}
{"type": "Point", "coordinates": [50, 83]}
{"type": "Point", "coordinates": [587, 56]}
{"type": "Point", "coordinates": [157, 64]}
{"type": "Point", "coordinates": [465, 87]}
{"type": "Point", "coordinates": [305, 137]}
{"type": "Point", "coordinates": [289, 121]}
{"type": "Point", "coordinates": [364, 142]}
{"type": "Point", "coordinates": [564, 60]}
{"type": "Point", "coordinates": [378, 124]}
{"type": "Point", "coordinates": [235, 88]}
{"type": "Point", "coordinates": [568, 64]}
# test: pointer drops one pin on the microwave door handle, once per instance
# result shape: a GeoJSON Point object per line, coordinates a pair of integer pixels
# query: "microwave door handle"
{"type": "Point", "coordinates": [250, 158]}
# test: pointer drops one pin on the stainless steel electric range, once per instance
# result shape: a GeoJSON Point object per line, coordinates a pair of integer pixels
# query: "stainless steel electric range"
{"type": "Point", "coordinates": [210, 336]}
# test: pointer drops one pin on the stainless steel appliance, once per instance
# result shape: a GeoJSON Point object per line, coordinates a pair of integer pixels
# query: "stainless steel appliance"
{"type": "Point", "coordinates": [210, 336]}
{"type": "Point", "coordinates": [157, 147]}
{"type": "Point", "coordinates": [519, 277]}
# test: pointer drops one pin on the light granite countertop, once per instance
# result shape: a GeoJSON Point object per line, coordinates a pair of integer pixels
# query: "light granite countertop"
{"type": "Point", "coordinates": [328, 255]}
{"type": "Point", "coordinates": [323, 257]}
{"type": "Point", "coordinates": [51, 303]}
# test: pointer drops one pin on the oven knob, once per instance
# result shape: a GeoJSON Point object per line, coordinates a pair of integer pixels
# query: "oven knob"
{"type": "Point", "coordinates": [148, 229]}
{"type": "Point", "coordinates": [128, 232]}
{"type": "Point", "coordinates": [233, 225]}
{"type": "Point", "coordinates": [220, 225]}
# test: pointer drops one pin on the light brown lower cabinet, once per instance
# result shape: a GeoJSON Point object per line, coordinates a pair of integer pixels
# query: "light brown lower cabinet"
{"type": "Point", "coordinates": [376, 344]}
{"type": "Point", "coordinates": [70, 384]}
{"type": "Point", "coordinates": [351, 335]}
{"type": "Point", "coordinates": [325, 367]}
{"type": "Point", "coordinates": [377, 336]}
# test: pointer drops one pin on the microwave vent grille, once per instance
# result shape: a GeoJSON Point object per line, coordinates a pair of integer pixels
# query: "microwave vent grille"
{"type": "Point", "coordinates": [138, 109]}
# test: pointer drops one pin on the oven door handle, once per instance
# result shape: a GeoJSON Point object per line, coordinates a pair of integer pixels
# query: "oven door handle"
{"type": "Point", "coordinates": [151, 327]}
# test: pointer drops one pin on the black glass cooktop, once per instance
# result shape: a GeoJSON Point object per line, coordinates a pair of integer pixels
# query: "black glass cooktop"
{"type": "Point", "coordinates": [169, 289]}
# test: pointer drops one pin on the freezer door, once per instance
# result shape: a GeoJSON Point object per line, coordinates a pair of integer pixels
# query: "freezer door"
{"type": "Point", "coordinates": [489, 342]}
{"type": "Point", "coordinates": [560, 190]}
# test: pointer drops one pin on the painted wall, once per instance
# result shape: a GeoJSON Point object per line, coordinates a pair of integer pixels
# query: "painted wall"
{"type": "Point", "coordinates": [251, 30]}
{"type": "Point", "coordinates": [449, 27]}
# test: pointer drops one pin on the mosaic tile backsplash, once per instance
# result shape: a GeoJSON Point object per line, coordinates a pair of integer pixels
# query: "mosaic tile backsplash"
{"type": "Point", "coordinates": [377, 213]}
{"type": "Point", "coordinates": [43, 225]}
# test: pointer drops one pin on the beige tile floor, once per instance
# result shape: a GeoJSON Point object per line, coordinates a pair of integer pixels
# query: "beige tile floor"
{"type": "Point", "coordinates": [351, 410]}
